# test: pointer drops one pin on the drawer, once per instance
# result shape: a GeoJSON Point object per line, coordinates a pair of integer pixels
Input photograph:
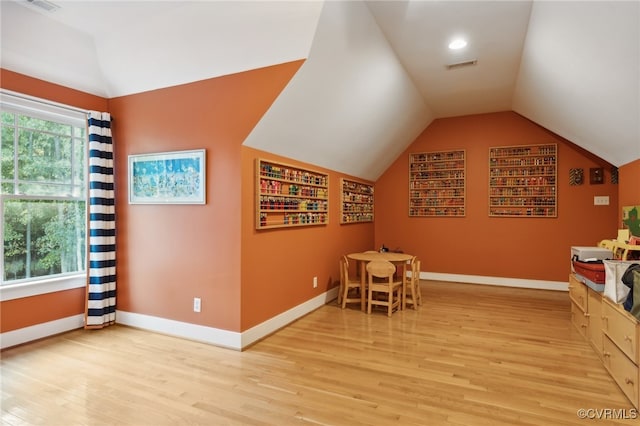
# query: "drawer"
{"type": "Point", "coordinates": [621, 327]}
{"type": "Point", "coordinates": [579, 319]}
{"type": "Point", "coordinates": [578, 292]}
{"type": "Point", "coordinates": [595, 320]}
{"type": "Point", "coordinates": [623, 371]}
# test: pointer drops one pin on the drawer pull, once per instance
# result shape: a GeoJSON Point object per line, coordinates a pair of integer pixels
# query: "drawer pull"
{"type": "Point", "coordinates": [583, 325]}
{"type": "Point", "coordinates": [628, 381]}
{"type": "Point", "coordinates": [607, 354]}
{"type": "Point", "coordinates": [587, 315]}
{"type": "Point", "coordinates": [627, 338]}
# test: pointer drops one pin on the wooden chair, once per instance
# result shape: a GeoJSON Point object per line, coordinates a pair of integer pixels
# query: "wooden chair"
{"type": "Point", "coordinates": [388, 292]}
{"type": "Point", "coordinates": [412, 294]}
{"type": "Point", "coordinates": [607, 244]}
{"type": "Point", "coordinates": [620, 247]}
{"type": "Point", "coordinates": [349, 287]}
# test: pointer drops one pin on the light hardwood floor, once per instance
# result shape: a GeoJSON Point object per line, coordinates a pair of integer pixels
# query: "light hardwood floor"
{"type": "Point", "coordinates": [472, 355]}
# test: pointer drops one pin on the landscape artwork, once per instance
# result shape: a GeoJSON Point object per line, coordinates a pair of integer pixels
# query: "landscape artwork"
{"type": "Point", "coordinates": [167, 178]}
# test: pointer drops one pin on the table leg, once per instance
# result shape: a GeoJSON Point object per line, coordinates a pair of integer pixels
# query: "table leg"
{"type": "Point", "coordinates": [404, 285]}
{"type": "Point", "coordinates": [363, 286]}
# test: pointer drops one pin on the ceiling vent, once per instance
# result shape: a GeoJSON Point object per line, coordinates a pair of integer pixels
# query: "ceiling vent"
{"type": "Point", "coordinates": [45, 5]}
{"type": "Point", "coordinates": [462, 64]}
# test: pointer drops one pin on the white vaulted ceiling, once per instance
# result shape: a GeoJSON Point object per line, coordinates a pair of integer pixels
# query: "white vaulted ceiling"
{"type": "Point", "coordinates": [375, 73]}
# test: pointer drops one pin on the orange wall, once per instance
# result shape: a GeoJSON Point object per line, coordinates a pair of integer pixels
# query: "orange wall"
{"type": "Point", "coordinates": [527, 248]}
{"type": "Point", "coordinates": [24, 312]}
{"type": "Point", "coordinates": [278, 265]}
{"type": "Point", "coordinates": [169, 254]}
{"type": "Point", "coordinates": [26, 85]}
{"type": "Point", "coordinates": [629, 192]}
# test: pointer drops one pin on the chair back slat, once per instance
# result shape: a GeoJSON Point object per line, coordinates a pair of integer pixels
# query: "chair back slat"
{"type": "Point", "coordinates": [381, 268]}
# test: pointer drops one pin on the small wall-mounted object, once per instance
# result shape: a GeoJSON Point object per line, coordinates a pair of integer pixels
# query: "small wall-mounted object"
{"type": "Point", "coordinates": [576, 176]}
{"type": "Point", "coordinates": [596, 175]}
{"type": "Point", "coordinates": [601, 200]}
{"type": "Point", "coordinates": [614, 175]}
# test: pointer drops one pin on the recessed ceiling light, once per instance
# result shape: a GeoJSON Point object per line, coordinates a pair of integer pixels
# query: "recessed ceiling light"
{"type": "Point", "coordinates": [457, 44]}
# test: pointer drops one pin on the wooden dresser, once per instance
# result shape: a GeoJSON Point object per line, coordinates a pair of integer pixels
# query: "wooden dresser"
{"type": "Point", "coordinates": [612, 332]}
{"type": "Point", "coordinates": [620, 348]}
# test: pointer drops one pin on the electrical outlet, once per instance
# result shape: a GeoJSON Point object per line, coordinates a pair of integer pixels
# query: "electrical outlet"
{"type": "Point", "coordinates": [315, 282]}
{"type": "Point", "coordinates": [602, 200]}
{"type": "Point", "coordinates": [196, 304]}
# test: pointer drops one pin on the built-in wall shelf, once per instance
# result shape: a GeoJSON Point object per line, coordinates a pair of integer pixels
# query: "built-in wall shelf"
{"type": "Point", "coordinates": [523, 181]}
{"type": "Point", "coordinates": [357, 202]}
{"type": "Point", "coordinates": [437, 183]}
{"type": "Point", "coordinates": [289, 196]}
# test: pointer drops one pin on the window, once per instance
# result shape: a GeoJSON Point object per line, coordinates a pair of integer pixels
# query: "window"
{"type": "Point", "coordinates": [43, 191]}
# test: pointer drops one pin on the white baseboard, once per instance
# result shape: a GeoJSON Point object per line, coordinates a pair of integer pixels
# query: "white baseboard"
{"type": "Point", "coordinates": [501, 281]}
{"type": "Point", "coordinates": [237, 340]}
{"type": "Point", "coordinates": [201, 333]}
{"type": "Point", "coordinates": [39, 331]}
{"type": "Point", "coordinates": [224, 338]}
{"type": "Point", "coordinates": [262, 330]}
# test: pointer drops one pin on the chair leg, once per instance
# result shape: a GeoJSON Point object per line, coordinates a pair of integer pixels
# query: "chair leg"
{"type": "Point", "coordinates": [396, 300]}
{"type": "Point", "coordinates": [370, 299]}
{"type": "Point", "coordinates": [345, 293]}
{"type": "Point", "coordinates": [414, 300]}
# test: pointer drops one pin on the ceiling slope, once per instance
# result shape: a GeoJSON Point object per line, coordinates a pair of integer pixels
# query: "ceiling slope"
{"type": "Point", "coordinates": [420, 32]}
{"type": "Point", "coordinates": [580, 75]}
{"type": "Point", "coordinates": [351, 107]}
{"type": "Point", "coordinates": [375, 73]}
{"type": "Point", "coordinates": [36, 45]}
{"type": "Point", "coordinates": [115, 48]}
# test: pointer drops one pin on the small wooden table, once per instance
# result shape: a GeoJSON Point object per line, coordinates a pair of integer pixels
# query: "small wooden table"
{"type": "Point", "coordinates": [365, 257]}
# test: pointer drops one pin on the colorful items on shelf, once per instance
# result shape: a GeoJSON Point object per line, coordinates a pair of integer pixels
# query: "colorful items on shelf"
{"type": "Point", "coordinates": [357, 202]}
{"type": "Point", "coordinates": [437, 183]}
{"type": "Point", "coordinates": [522, 181]}
{"type": "Point", "coordinates": [287, 196]}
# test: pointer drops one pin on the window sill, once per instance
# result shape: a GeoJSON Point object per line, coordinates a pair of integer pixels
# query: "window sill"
{"type": "Point", "coordinates": [35, 288]}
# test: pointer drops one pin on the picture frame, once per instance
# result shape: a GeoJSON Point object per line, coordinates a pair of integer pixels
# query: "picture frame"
{"type": "Point", "coordinates": [176, 177]}
{"type": "Point", "coordinates": [596, 175]}
{"type": "Point", "coordinates": [576, 176]}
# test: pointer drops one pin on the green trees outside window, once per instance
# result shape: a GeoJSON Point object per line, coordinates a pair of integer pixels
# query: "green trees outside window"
{"type": "Point", "coordinates": [42, 177]}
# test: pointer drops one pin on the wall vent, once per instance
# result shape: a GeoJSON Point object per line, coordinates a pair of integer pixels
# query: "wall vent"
{"type": "Point", "coordinates": [462, 64]}
{"type": "Point", "coordinates": [43, 5]}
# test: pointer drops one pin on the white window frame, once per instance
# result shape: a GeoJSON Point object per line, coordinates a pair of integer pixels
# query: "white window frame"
{"type": "Point", "coordinates": [47, 110]}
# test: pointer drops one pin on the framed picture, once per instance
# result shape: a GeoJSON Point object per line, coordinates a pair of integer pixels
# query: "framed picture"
{"type": "Point", "coordinates": [168, 178]}
{"type": "Point", "coordinates": [596, 175]}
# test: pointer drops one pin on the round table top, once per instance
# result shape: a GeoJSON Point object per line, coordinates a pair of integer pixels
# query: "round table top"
{"type": "Point", "coordinates": [389, 256]}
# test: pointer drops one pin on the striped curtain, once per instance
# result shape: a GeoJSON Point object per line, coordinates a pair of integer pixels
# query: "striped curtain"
{"type": "Point", "coordinates": [101, 287]}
